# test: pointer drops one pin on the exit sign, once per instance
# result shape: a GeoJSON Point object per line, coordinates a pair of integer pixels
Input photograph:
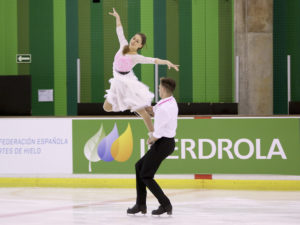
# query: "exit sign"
{"type": "Point", "coordinates": [23, 58]}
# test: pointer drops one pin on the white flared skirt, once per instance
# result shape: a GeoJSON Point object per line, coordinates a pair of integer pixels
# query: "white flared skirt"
{"type": "Point", "coordinates": [127, 92]}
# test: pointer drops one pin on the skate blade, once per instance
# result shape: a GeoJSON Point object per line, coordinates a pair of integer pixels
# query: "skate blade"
{"type": "Point", "coordinates": [165, 214]}
{"type": "Point", "coordinates": [137, 214]}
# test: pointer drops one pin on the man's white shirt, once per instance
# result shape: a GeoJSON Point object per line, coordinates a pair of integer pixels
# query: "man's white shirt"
{"type": "Point", "coordinates": [165, 118]}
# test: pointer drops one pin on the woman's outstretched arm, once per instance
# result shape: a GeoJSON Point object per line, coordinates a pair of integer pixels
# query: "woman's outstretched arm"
{"type": "Point", "coordinates": [116, 15]}
{"type": "Point", "coordinates": [119, 28]}
{"type": "Point", "coordinates": [166, 62]}
{"type": "Point", "coordinates": [149, 60]}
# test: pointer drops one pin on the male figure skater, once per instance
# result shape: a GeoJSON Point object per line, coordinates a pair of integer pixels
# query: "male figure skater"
{"type": "Point", "coordinates": [162, 145]}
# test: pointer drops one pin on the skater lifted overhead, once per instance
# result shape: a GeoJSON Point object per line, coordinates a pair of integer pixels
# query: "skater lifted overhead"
{"type": "Point", "coordinates": [126, 91]}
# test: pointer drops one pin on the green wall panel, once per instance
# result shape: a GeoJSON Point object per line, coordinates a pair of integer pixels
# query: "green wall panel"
{"type": "Point", "coordinates": [172, 41]}
{"type": "Point", "coordinates": [199, 50]}
{"type": "Point", "coordinates": [72, 55]}
{"type": "Point", "coordinates": [147, 27]}
{"type": "Point", "coordinates": [97, 85]}
{"type": "Point", "coordinates": [286, 42]}
{"type": "Point", "coordinates": [60, 67]}
{"type": "Point", "coordinates": [41, 48]}
{"type": "Point", "coordinates": [185, 51]}
{"type": "Point", "coordinates": [280, 60]}
{"type": "Point", "coordinates": [293, 46]}
{"type": "Point", "coordinates": [159, 7]}
{"type": "Point", "coordinates": [212, 50]}
{"type": "Point", "coordinates": [8, 37]}
{"type": "Point", "coordinates": [232, 52]}
{"type": "Point", "coordinates": [225, 49]}
{"type": "Point", "coordinates": [2, 38]}
{"type": "Point", "coordinates": [84, 41]}
{"type": "Point", "coordinates": [23, 35]}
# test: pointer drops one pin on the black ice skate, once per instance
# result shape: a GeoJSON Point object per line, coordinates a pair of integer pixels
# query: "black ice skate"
{"type": "Point", "coordinates": [161, 210]}
{"type": "Point", "coordinates": [137, 208]}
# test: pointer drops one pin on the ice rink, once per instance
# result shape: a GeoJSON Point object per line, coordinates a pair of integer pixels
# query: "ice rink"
{"type": "Point", "coordinates": [108, 206]}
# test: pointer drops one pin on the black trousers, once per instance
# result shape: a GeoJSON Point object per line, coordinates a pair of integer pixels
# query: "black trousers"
{"type": "Point", "coordinates": [146, 168]}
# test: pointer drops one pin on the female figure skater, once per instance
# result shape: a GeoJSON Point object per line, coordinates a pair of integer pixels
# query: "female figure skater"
{"type": "Point", "coordinates": [126, 91]}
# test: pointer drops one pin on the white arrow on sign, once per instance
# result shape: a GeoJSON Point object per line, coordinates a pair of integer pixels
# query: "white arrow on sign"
{"type": "Point", "coordinates": [21, 58]}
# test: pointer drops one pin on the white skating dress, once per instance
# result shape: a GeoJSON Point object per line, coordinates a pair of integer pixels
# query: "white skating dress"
{"type": "Point", "coordinates": [126, 91]}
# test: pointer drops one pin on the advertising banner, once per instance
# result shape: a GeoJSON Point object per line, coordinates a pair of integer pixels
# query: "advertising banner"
{"type": "Point", "coordinates": [36, 146]}
{"type": "Point", "coordinates": [214, 146]}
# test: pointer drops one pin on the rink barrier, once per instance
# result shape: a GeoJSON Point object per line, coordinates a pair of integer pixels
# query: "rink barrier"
{"type": "Point", "coordinates": [227, 145]}
{"type": "Point", "coordinates": [225, 184]}
{"type": "Point", "coordinates": [42, 176]}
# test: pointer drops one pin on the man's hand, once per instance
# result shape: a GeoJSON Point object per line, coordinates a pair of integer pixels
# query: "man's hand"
{"type": "Point", "coordinates": [149, 110]}
{"type": "Point", "coordinates": [151, 140]}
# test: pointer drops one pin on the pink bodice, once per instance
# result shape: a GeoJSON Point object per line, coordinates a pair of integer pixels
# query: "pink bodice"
{"type": "Point", "coordinates": [125, 63]}
{"type": "Point", "coordinates": [122, 62]}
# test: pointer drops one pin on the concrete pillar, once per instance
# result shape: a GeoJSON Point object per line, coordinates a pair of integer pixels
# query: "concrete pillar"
{"type": "Point", "coordinates": [254, 45]}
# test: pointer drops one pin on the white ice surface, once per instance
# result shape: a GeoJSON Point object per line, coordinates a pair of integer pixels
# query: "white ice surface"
{"type": "Point", "coordinates": [108, 206]}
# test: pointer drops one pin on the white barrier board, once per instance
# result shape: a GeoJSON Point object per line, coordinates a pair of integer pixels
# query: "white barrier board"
{"type": "Point", "coordinates": [36, 146]}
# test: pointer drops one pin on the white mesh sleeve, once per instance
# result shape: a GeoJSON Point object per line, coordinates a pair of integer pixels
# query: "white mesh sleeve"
{"type": "Point", "coordinates": [142, 59]}
{"type": "Point", "coordinates": [121, 36]}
